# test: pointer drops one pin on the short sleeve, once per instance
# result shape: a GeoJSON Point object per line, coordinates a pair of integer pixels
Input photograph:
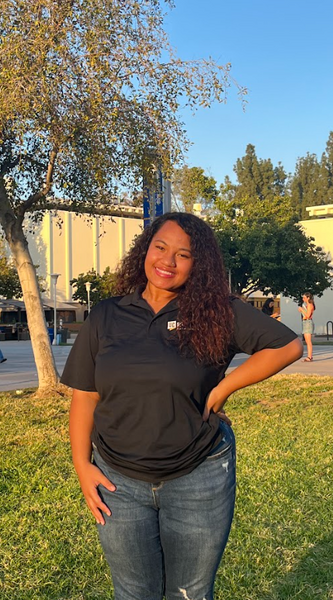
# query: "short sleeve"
{"type": "Point", "coordinates": [79, 371]}
{"type": "Point", "coordinates": [254, 331]}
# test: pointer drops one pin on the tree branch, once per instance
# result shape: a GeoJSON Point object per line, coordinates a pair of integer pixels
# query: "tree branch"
{"type": "Point", "coordinates": [34, 198]}
{"type": "Point", "coordinates": [8, 165]}
{"type": "Point", "coordinates": [250, 289]}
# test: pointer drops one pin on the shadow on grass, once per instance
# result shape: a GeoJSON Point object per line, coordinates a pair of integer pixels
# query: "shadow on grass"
{"type": "Point", "coordinates": [311, 579]}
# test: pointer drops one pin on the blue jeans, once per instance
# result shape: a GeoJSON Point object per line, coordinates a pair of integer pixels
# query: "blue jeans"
{"type": "Point", "coordinates": [169, 537]}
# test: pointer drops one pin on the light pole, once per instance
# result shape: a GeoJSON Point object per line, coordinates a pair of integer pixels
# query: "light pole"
{"type": "Point", "coordinates": [54, 277]}
{"type": "Point", "coordinates": [88, 286]}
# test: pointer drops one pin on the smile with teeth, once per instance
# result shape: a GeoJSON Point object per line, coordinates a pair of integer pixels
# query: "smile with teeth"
{"type": "Point", "coordinates": [163, 273]}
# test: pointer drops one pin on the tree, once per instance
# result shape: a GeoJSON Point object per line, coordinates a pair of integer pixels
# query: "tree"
{"type": "Point", "coordinates": [190, 185]}
{"type": "Point", "coordinates": [257, 178]}
{"type": "Point", "coordinates": [102, 286]}
{"type": "Point", "coordinates": [272, 257]}
{"type": "Point", "coordinates": [325, 180]}
{"type": "Point", "coordinates": [261, 191]}
{"type": "Point", "coordinates": [263, 246]}
{"type": "Point", "coordinates": [89, 101]}
{"type": "Point", "coordinates": [312, 182]}
{"type": "Point", "coordinates": [304, 184]}
{"type": "Point", "coordinates": [10, 286]}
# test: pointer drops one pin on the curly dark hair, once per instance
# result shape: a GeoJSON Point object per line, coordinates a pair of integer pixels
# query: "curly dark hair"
{"type": "Point", "coordinates": [204, 309]}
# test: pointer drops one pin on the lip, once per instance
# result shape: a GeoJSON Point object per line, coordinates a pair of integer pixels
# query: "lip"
{"type": "Point", "coordinates": [164, 273]}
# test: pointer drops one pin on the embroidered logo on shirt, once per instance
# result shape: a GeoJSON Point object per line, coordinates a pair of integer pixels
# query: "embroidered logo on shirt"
{"type": "Point", "coordinates": [172, 325]}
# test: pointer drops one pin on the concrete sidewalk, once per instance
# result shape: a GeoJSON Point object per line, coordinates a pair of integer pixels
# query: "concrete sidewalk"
{"type": "Point", "coordinates": [19, 371]}
{"type": "Point", "coordinates": [322, 362]}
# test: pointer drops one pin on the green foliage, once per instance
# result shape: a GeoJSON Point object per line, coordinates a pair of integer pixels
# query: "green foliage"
{"type": "Point", "coordinates": [312, 182]}
{"type": "Point", "coordinates": [102, 286]}
{"type": "Point", "coordinates": [190, 185]}
{"type": "Point", "coordinates": [90, 98]}
{"type": "Point", "coordinates": [261, 189]}
{"type": "Point", "coordinates": [275, 258]}
{"type": "Point", "coordinates": [257, 178]}
{"type": "Point", "coordinates": [280, 546]}
{"type": "Point", "coordinates": [262, 245]}
{"type": "Point", "coordinates": [260, 194]}
{"type": "Point", "coordinates": [304, 184]}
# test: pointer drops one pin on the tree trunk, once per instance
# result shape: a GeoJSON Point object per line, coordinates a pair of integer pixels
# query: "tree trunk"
{"type": "Point", "coordinates": [46, 369]}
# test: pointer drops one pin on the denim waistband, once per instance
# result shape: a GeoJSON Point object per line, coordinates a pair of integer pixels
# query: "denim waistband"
{"type": "Point", "coordinates": [227, 438]}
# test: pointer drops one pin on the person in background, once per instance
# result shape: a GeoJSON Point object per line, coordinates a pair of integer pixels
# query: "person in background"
{"type": "Point", "coordinates": [2, 358]}
{"type": "Point", "coordinates": [268, 309]}
{"type": "Point", "coordinates": [307, 309]}
{"type": "Point", "coordinates": [149, 388]}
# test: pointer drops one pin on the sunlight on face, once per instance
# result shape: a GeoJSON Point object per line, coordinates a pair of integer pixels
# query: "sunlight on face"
{"type": "Point", "coordinates": [169, 258]}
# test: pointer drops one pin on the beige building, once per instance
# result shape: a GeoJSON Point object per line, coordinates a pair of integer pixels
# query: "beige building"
{"type": "Point", "coordinates": [68, 244]}
{"type": "Point", "coordinates": [320, 227]}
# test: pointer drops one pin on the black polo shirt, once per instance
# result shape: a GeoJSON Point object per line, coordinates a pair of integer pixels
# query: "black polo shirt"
{"type": "Point", "coordinates": [148, 422]}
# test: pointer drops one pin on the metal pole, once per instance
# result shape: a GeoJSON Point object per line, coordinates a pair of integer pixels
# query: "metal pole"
{"type": "Point", "coordinates": [54, 312]}
{"type": "Point", "coordinates": [88, 286]}
{"type": "Point", "coordinates": [54, 277]}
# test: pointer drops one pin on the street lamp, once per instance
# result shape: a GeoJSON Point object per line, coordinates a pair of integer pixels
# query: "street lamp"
{"type": "Point", "coordinates": [54, 277]}
{"type": "Point", "coordinates": [88, 286]}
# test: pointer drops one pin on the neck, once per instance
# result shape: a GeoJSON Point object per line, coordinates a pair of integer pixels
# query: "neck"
{"type": "Point", "coordinates": [157, 298]}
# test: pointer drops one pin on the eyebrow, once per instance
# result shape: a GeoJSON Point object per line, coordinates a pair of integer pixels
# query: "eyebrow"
{"type": "Point", "coordinates": [163, 242]}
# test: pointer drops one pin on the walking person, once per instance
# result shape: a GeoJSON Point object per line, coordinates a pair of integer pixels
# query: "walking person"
{"type": "Point", "coordinates": [307, 309]}
{"type": "Point", "coordinates": [147, 371]}
{"type": "Point", "coordinates": [2, 358]}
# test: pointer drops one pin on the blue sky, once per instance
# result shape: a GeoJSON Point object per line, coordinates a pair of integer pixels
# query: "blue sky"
{"type": "Point", "coordinates": [283, 53]}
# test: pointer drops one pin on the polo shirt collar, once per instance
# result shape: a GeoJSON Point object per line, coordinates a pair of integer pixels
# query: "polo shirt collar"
{"type": "Point", "coordinates": [136, 299]}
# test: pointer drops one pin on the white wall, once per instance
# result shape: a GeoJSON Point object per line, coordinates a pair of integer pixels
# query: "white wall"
{"type": "Point", "coordinates": [322, 231]}
{"type": "Point", "coordinates": [80, 244]}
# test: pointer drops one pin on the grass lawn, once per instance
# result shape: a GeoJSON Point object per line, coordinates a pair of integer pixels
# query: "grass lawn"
{"type": "Point", "coordinates": [281, 543]}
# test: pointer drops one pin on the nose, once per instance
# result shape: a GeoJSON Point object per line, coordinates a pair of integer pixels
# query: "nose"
{"type": "Point", "coordinates": [169, 259]}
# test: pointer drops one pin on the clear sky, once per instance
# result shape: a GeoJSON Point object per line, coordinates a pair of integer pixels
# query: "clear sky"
{"type": "Point", "coordinates": [283, 53]}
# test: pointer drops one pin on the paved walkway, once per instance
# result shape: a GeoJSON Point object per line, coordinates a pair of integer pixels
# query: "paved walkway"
{"type": "Point", "coordinates": [322, 362]}
{"type": "Point", "coordinates": [19, 371]}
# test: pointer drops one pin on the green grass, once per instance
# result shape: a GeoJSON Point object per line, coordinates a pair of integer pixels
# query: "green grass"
{"type": "Point", "coordinates": [281, 543]}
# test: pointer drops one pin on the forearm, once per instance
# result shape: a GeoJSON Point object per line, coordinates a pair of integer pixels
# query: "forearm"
{"type": "Point", "coordinates": [259, 366]}
{"type": "Point", "coordinates": [307, 314]}
{"type": "Point", "coordinates": [81, 421]}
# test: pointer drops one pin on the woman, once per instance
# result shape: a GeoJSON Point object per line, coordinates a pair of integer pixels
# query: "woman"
{"type": "Point", "coordinates": [147, 370]}
{"type": "Point", "coordinates": [307, 310]}
{"type": "Point", "coordinates": [268, 309]}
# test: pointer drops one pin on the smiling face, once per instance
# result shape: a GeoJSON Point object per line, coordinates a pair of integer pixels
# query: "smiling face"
{"type": "Point", "coordinates": [169, 259]}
